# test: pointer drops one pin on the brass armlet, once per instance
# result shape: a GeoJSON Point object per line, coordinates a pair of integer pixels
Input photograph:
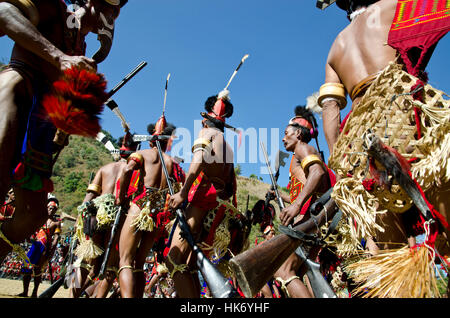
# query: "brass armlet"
{"type": "Point", "coordinates": [94, 188]}
{"type": "Point", "coordinates": [136, 157]}
{"type": "Point", "coordinates": [310, 160]}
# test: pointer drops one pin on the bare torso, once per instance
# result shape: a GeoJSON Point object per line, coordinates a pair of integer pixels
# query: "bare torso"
{"type": "Point", "coordinates": [110, 174]}
{"type": "Point", "coordinates": [364, 45]}
{"type": "Point", "coordinates": [220, 167]}
{"type": "Point", "coordinates": [302, 150]}
{"type": "Point", "coordinates": [153, 172]}
{"type": "Point", "coordinates": [52, 27]}
{"type": "Point", "coordinates": [52, 225]}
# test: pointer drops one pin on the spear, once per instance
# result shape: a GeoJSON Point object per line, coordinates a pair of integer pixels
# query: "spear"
{"type": "Point", "coordinates": [112, 104]}
{"type": "Point", "coordinates": [235, 71]}
{"type": "Point", "coordinates": [165, 94]}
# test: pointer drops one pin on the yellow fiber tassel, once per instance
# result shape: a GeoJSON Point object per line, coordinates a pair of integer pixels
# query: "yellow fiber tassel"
{"type": "Point", "coordinates": [144, 221]}
{"type": "Point", "coordinates": [400, 273]}
{"type": "Point", "coordinates": [358, 206]}
{"type": "Point", "coordinates": [434, 169]}
{"type": "Point", "coordinates": [87, 250]}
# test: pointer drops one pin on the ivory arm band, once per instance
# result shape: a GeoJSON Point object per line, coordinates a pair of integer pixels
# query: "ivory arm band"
{"type": "Point", "coordinates": [335, 91]}
{"type": "Point", "coordinates": [201, 144]}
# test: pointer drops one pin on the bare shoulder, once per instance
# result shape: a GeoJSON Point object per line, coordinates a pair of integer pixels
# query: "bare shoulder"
{"type": "Point", "coordinates": [108, 167]}
{"type": "Point", "coordinates": [303, 150]}
{"type": "Point", "coordinates": [339, 44]}
{"type": "Point", "coordinates": [150, 155]}
{"type": "Point", "coordinates": [387, 4]}
{"type": "Point", "coordinates": [55, 224]}
{"type": "Point", "coordinates": [207, 133]}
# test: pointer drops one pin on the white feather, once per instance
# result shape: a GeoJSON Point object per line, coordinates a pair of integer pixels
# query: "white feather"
{"type": "Point", "coordinates": [312, 103]}
{"type": "Point", "coordinates": [225, 94]}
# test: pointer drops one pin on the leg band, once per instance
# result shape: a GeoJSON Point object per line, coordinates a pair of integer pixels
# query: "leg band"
{"type": "Point", "coordinates": [124, 267]}
{"type": "Point", "coordinates": [286, 282]}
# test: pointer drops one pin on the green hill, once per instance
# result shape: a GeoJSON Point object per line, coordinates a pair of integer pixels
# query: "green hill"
{"type": "Point", "coordinates": [73, 168]}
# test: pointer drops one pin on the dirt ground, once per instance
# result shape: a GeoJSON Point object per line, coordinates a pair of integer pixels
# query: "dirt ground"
{"type": "Point", "coordinates": [9, 288]}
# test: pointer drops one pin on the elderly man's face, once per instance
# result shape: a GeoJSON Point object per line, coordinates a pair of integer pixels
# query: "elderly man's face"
{"type": "Point", "coordinates": [51, 209]}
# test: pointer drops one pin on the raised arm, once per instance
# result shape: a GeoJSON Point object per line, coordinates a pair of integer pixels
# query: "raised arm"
{"type": "Point", "coordinates": [21, 30]}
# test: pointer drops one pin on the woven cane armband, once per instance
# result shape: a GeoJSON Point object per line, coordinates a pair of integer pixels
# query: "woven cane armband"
{"type": "Point", "coordinates": [335, 91]}
{"type": "Point", "coordinates": [136, 157]}
{"type": "Point", "coordinates": [27, 8]}
{"type": "Point", "coordinates": [94, 188]}
{"type": "Point", "coordinates": [308, 161]}
{"type": "Point", "coordinates": [201, 144]}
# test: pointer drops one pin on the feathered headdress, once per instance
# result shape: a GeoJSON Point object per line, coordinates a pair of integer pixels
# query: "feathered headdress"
{"type": "Point", "coordinates": [76, 102]}
{"type": "Point", "coordinates": [219, 107]}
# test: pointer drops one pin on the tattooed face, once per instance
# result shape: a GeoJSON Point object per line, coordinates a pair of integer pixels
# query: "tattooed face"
{"type": "Point", "coordinates": [106, 15]}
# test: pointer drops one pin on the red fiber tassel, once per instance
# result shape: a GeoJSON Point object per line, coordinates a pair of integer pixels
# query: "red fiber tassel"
{"type": "Point", "coordinates": [76, 102]}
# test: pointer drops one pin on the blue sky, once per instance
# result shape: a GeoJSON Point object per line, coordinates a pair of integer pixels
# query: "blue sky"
{"type": "Point", "coordinates": [200, 42]}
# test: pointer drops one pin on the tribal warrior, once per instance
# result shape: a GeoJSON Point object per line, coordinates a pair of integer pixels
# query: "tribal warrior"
{"type": "Point", "coordinates": [309, 178]}
{"type": "Point", "coordinates": [43, 246]}
{"type": "Point", "coordinates": [386, 82]}
{"type": "Point", "coordinates": [49, 39]}
{"type": "Point", "coordinates": [148, 213]}
{"type": "Point", "coordinates": [210, 191]}
{"type": "Point", "coordinates": [96, 216]}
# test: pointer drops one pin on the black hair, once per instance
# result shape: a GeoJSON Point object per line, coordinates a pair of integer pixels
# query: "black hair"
{"type": "Point", "coordinates": [304, 112]}
{"type": "Point", "coordinates": [304, 132]}
{"type": "Point", "coordinates": [170, 128]}
{"type": "Point", "coordinates": [213, 122]}
{"type": "Point", "coordinates": [129, 143]}
{"type": "Point", "coordinates": [168, 131]}
{"type": "Point", "coordinates": [211, 101]}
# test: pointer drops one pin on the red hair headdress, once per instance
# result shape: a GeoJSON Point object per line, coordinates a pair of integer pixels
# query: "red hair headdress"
{"type": "Point", "coordinates": [76, 102]}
